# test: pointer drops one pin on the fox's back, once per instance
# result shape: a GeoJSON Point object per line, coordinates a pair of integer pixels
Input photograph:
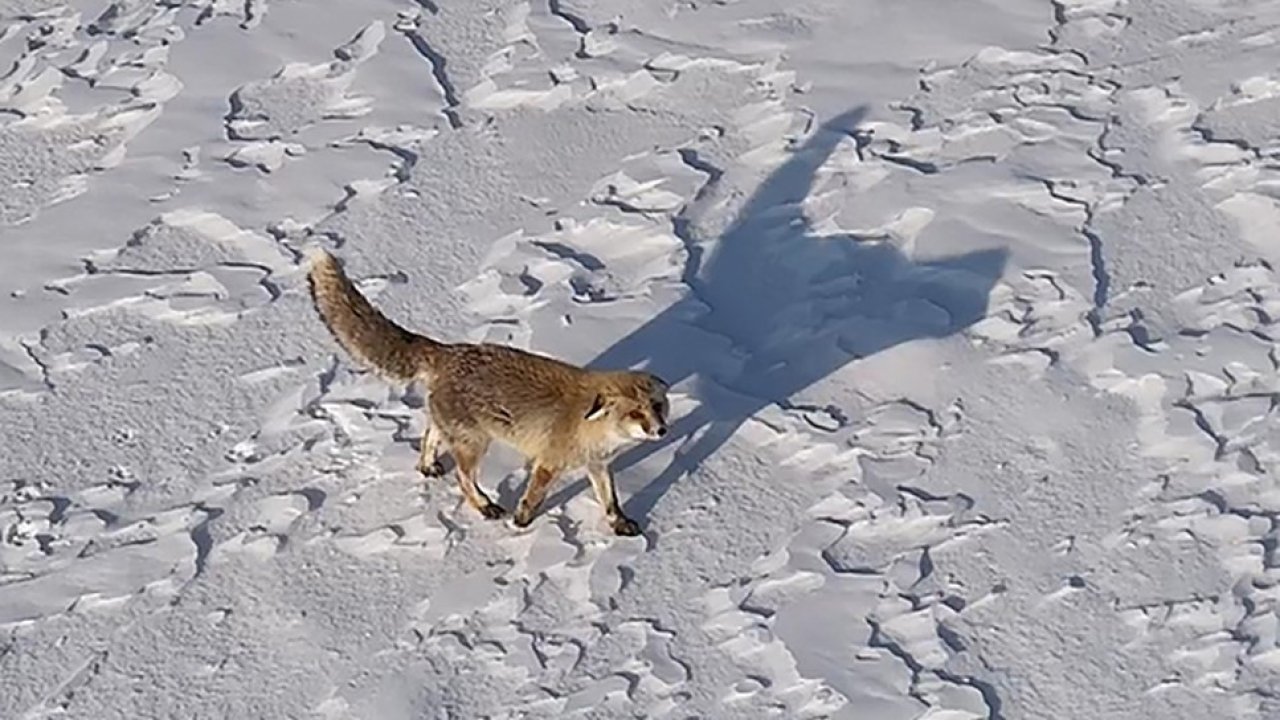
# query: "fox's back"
{"type": "Point", "coordinates": [505, 366]}
{"type": "Point", "coordinates": [506, 391]}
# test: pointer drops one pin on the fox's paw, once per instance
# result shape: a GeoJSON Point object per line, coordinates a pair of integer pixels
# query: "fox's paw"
{"type": "Point", "coordinates": [624, 526]}
{"type": "Point", "coordinates": [492, 511]}
{"type": "Point", "coordinates": [434, 470]}
{"type": "Point", "coordinates": [522, 518]}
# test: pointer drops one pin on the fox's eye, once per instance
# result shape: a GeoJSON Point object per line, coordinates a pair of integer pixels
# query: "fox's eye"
{"type": "Point", "coordinates": [635, 415]}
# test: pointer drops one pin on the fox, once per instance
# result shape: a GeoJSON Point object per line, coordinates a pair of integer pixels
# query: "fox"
{"type": "Point", "coordinates": [560, 417]}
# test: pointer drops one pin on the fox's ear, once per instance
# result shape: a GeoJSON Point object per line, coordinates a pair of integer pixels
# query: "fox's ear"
{"type": "Point", "coordinates": [597, 408]}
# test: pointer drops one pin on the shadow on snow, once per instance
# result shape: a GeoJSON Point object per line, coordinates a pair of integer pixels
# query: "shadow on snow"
{"type": "Point", "coordinates": [798, 305]}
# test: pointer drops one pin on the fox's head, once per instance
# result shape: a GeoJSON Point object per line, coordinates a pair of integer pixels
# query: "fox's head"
{"type": "Point", "coordinates": [637, 406]}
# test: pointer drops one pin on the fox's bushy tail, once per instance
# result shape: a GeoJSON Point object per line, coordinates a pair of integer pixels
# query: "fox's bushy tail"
{"type": "Point", "coordinates": [366, 334]}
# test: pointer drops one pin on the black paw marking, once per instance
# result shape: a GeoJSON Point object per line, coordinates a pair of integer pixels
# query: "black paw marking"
{"type": "Point", "coordinates": [522, 518]}
{"type": "Point", "coordinates": [626, 527]}
{"type": "Point", "coordinates": [492, 511]}
{"type": "Point", "coordinates": [434, 470]}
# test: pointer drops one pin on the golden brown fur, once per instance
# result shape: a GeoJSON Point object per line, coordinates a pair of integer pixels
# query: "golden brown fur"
{"type": "Point", "coordinates": [559, 416]}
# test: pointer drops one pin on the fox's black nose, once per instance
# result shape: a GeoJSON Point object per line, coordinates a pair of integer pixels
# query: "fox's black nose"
{"type": "Point", "coordinates": [662, 431]}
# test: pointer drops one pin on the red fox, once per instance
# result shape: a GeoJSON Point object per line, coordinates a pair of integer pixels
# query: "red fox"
{"type": "Point", "coordinates": [559, 416]}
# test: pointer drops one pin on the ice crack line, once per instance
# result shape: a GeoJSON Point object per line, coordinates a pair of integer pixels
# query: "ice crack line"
{"type": "Point", "coordinates": [579, 25]}
{"type": "Point", "coordinates": [439, 71]}
{"type": "Point", "coordinates": [682, 226]}
{"type": "Point", "coordinates": [1097, 260]}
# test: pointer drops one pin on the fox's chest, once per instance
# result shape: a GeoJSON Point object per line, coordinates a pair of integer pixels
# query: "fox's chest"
{"type": "Point", "coordinates": [569, 452]}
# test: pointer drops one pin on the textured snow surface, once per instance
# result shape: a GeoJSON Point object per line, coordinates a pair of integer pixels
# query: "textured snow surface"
{"type": "Point", "coordinates": [969, 309]}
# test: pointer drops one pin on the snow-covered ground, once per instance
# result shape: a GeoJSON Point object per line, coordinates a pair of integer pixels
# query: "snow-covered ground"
{"type": "Point", "coordinates": [969, 308]}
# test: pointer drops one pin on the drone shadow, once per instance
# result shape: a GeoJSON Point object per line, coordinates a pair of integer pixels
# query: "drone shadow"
{"type": "Point", "coordinates": [798, 305]}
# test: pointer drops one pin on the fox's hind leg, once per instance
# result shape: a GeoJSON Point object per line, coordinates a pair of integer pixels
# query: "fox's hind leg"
{"type": "Point", "coordinates": [467, 452]}
{"type": "Point", "coordinates": [540, 480]}
{"type": "Point", "coordinates": [429, 458]}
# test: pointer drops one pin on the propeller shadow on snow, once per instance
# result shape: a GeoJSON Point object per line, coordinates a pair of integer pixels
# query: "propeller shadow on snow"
{"type": "Point", "coordinates": [795, 306]}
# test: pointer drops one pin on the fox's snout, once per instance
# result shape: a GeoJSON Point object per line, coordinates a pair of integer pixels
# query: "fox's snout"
{"type": "Point", "coordinates": [642, 425]}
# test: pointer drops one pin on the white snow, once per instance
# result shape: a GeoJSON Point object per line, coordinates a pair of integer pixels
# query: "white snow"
{"type": "Point", "coordinates": [969, 310]}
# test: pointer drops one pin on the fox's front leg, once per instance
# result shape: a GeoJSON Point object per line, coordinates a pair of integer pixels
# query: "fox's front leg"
{"type": "Point", "coordinates": [607, 495]}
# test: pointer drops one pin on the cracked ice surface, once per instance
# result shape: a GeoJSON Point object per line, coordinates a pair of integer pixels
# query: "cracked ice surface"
{"type": "Point", "coordinates": [970, 316]}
